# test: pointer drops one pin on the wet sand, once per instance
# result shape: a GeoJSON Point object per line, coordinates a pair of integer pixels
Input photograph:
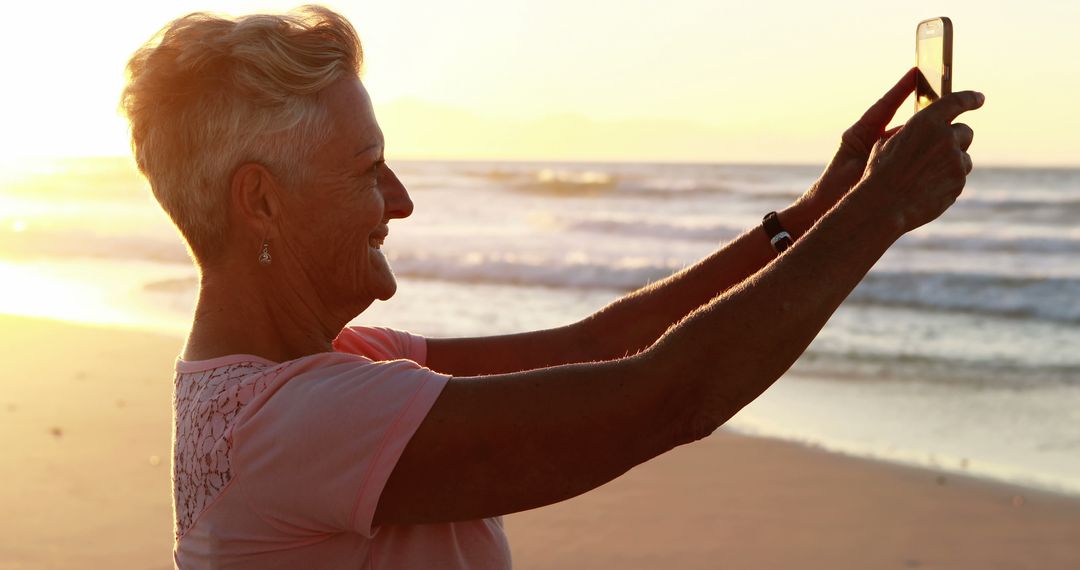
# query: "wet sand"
{"type": "Point", "coordinates": [86, 420]}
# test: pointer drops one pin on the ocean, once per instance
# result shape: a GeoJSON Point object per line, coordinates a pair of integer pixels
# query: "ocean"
{"type": "Point", "coordinates": [959, 351]}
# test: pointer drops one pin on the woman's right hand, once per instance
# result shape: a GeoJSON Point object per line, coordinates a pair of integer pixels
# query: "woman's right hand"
{"type": "Point", "coordinates": [924, 164]}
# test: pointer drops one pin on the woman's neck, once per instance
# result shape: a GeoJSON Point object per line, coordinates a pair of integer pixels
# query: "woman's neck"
{"type": "Point", "coordinates": [250, 315]}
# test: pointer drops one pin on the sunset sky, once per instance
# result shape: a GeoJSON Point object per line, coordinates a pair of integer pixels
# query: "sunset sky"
{"type": "Point", "coordinates": [683, 80]}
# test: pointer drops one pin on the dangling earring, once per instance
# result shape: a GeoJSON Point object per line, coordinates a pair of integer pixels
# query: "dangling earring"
{"type": "Point", "coordinates": [264, 257]}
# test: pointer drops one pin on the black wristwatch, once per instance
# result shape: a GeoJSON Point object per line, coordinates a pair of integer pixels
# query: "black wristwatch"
{"type": "Point", "coordinates": [778, 236]}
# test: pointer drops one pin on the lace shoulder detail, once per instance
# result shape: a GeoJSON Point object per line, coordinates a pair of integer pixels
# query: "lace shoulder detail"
{"type": "Point", "coordinates": [205, 405]}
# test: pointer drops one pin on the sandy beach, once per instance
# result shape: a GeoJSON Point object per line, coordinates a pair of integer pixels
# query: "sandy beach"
{"type": "Point", "coordinates": [86, 416]}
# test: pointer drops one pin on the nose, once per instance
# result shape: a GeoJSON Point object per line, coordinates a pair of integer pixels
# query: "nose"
{"type": "Point", "coordinates": [395, 196]}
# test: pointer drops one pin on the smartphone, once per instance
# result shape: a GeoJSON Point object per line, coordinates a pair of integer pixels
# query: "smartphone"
{"type": "Point", "coordinates": [933, 52]}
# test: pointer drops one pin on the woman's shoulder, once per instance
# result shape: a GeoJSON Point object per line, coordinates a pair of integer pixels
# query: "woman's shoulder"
{"type": "Point", "coordinates": [382, 343]}
{"type": "Point", "coordinates": [369, 342]}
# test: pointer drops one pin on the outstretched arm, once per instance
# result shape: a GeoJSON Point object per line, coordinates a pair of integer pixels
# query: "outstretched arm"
{"type": "Point", "coordinates": [635, 321]}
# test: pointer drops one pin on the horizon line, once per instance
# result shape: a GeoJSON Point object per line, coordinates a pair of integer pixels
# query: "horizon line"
{"type": "Point", "coordinates": [621, 161]}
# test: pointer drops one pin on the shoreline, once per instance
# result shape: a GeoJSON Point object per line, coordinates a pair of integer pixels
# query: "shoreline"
{"type": "Point", "coordinates": [88, 417]}
{"type": "Point", "coordinates": [936, 473]}
{"type": "Point", "coordinates": [1047, 490]}
{"type": "Point", "coordinates": [746, 429]}
{"type": "Point", "coordinates": [947, 465]}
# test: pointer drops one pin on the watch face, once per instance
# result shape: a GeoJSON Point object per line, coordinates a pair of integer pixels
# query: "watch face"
{"type": "Point", "coordinates": [781, 241]}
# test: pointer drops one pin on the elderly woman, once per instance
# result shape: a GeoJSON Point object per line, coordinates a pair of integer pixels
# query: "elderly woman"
{"type": "Point", "coordinates": [300, 443]}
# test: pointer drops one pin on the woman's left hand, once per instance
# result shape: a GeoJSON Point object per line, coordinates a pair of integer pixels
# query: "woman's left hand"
{"type": "Point", "coordinates": [846, 168]}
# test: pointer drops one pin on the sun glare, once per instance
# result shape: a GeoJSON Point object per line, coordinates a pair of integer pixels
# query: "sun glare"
{"type": "Point", "coordinates": [35, 290]}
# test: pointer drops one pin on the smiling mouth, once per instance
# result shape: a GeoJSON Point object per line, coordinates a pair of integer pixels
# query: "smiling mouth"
{"type": "Point", "coordinates": [375, 240]}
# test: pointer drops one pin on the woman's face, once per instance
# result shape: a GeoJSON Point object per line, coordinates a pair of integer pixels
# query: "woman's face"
{"type": "Point", "coordinates": [334, 223]}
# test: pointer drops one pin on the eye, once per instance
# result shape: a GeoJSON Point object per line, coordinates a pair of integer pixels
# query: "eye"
{"type": "Point", "coordinates": [376, 170]}
{"type": "Point", "coordinates": [369, 177]}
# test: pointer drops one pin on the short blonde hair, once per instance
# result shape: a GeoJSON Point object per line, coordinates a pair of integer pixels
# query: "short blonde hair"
{"type": "Point", "coordinates": [209, 93]}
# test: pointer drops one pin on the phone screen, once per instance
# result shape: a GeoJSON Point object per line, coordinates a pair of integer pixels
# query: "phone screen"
{"type": "Point", "coordinates": [932, 54]}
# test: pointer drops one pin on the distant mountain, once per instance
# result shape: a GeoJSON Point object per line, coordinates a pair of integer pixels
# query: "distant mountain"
{"type": "Point", "coordinates": [419, 129]}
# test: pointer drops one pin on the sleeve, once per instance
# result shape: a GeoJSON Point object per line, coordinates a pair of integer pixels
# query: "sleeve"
{"type": "Point", "coordinates": [381, 343]}
{"type": "Point", "coordinates": [317, 454]}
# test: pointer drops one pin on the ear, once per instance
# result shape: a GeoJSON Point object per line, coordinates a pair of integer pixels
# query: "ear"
{"type": "Point", "coordinates": [255, 198]}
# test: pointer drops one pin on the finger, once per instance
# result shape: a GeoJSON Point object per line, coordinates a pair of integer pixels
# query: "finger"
{"type": "Point", "coordinates": [968, 165]}
{"type": "Point", "coordinates": [860, 145]}
{"type": "Point", "coordinates": [877, 148]}
{"type": "Point", "coordinates": [951, 106]}
{"type": "Point", "coordinates": [879, 114]}
{"type": "Point", "coordinates": [963, 135]}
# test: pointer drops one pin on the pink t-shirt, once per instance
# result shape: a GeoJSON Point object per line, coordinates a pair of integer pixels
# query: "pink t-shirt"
{"type": "Point", "coordinates": [280, 465]}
